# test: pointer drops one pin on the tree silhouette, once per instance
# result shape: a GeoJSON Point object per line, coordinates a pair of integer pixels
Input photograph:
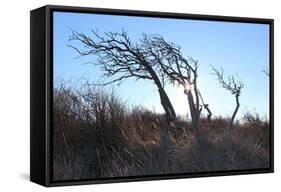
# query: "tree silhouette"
{"type": "Point", "coordinates": [180, 70]}
{"type": "Point", "coordinates": [119, 58]}
{"type": "Point", "coordinates": [234, 87]}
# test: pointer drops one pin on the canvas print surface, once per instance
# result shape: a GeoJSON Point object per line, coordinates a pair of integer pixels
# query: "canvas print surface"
{"type": "Point", "coordinates": [140, 96]}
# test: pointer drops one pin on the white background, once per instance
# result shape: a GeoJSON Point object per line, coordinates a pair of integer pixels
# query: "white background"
{"type": "Point", "coordinates": [14, 94]}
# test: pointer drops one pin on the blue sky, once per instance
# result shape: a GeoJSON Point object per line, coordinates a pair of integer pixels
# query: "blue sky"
{"type": "Point", "coordinates": [241, 49]}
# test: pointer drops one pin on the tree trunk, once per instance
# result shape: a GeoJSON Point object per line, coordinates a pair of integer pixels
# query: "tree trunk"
{"type": "Point", "coordinates": [165, 101]}
{"type": "Point", "coordinates": [192, 107]}
{"type": "Point", "coordinates": [171, 117]}
{"type": "Point", "coordinates": [167, 106]}
{"type": "Point", "coordinates": [194, 111]}
{"type": "Point", "coordinates": [195, 116]}
{"type": "Point", "coordinates": [230, 127]}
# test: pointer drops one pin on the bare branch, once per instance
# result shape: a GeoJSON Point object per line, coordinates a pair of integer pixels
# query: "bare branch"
{"type": "Point", "coordinates": [114, 53]}
{"type": "Point", "coordinates": [266, 71]}
{"type": "Point", "coordinates": [229, 83]}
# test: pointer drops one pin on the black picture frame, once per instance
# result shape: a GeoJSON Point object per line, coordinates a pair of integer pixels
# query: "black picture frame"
{"type": "Point", "coordinates": [41, 81]}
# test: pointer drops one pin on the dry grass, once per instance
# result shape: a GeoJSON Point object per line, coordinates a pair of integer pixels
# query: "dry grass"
{"type": "Point", "coordinates": [96, 135]}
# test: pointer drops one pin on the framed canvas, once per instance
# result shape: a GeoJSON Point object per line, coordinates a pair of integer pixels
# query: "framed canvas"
{"type": "Point", "coordinates": [123, 95]}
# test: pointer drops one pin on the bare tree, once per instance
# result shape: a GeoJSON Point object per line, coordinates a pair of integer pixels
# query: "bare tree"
{"type": "Point", "coordinates": [234, 87]}
{"type": "Point", "coordinates": [120, 58]}
{"type": "Point", "coordinates": [180, 70]}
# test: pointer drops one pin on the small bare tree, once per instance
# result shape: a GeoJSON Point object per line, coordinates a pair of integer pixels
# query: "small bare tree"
{"type": "Point", "coordinates": [234, 87]}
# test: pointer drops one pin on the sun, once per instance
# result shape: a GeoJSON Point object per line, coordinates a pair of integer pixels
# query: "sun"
{"type": "Point", "coordinates": [187, 87]}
